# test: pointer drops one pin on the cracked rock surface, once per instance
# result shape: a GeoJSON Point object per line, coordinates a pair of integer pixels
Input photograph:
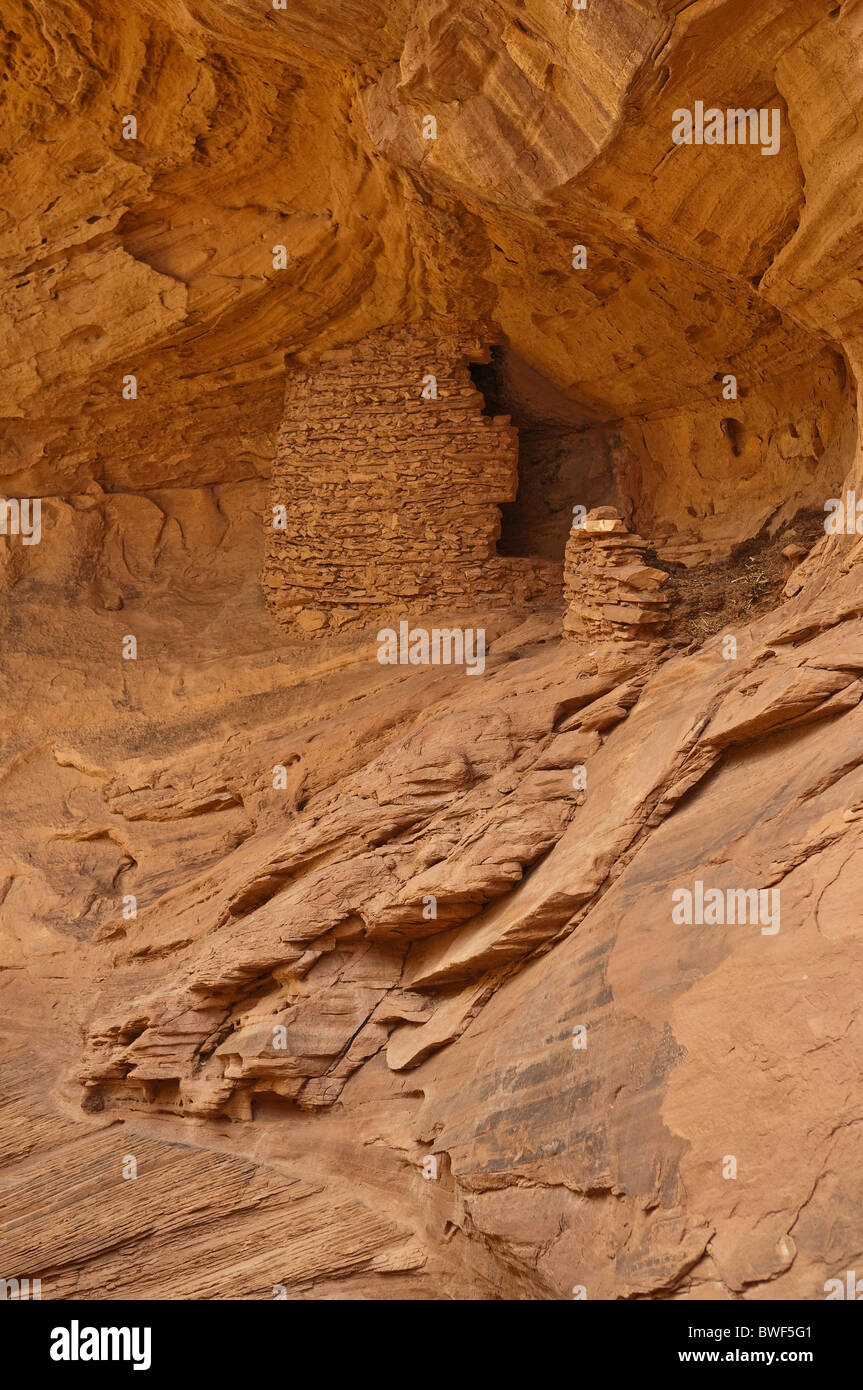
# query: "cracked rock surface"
{"type": "Point", "coordinates": [384, 1001]}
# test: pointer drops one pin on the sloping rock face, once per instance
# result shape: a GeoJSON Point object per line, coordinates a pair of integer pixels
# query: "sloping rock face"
{"type": "Point", "coordinates": [322, 977]}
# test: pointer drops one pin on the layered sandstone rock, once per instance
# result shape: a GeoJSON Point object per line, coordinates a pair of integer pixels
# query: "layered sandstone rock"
{"type": "Point", "coordinates": [611, 593]}
{"type": "Point", "coordinates": [284, 924]}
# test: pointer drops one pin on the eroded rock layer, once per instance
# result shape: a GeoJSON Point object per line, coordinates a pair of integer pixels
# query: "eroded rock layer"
{"type": "Point", "coordinates": [395, 983]}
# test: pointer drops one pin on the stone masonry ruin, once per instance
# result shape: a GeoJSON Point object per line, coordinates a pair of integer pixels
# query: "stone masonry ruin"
{"type": "Point", "coordinates": [427, 468]}
{"type": "Point", "coordinates": [387, 485]}
{"type": "Point", "coordinates": [612, 595]}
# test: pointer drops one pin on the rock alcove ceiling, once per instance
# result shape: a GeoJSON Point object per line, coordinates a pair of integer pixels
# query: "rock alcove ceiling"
{"type": "Point", "coordinates": [279, 806]}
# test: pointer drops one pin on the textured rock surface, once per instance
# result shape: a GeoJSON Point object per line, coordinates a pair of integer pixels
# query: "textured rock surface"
{"type": "Point", "coordinates": [286, 1032]}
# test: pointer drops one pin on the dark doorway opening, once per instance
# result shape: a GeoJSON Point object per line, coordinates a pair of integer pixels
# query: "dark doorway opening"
{"type": "Point", "coordinates": [565, 458]}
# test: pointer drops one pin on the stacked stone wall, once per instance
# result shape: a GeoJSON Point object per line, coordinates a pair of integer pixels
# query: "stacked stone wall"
{"type": "Point", "coordinates": [388, 485]}
{"type": "Point", "coordinates": [611, 594]}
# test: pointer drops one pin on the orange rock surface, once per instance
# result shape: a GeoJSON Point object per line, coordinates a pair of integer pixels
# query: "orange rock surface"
{"type": "Point", "coordinates": [395, 983]}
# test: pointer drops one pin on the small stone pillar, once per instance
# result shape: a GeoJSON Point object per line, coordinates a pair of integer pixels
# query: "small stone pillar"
{"type": "Point", "coordinates": [612, 595]}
